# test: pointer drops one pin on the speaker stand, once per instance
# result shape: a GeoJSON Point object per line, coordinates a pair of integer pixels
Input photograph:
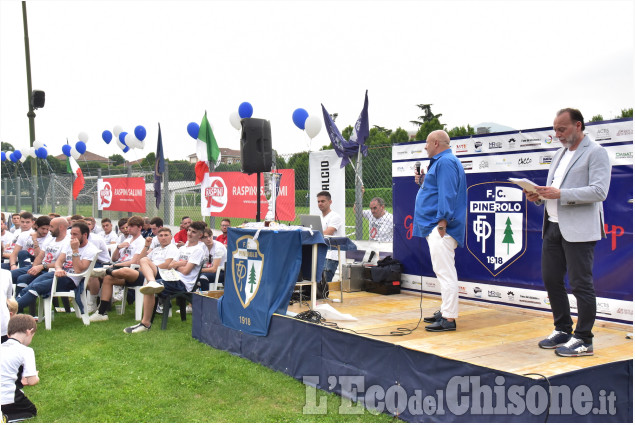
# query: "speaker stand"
{"type": "Point", "coordinates": [257, 197]}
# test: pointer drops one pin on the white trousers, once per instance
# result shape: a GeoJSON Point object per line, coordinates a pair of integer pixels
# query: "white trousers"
{"type": "Point", "coordinates": [442, 257]}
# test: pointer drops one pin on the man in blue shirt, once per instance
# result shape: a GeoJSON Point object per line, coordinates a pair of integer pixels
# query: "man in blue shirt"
{"type": "Point", "coordinates": [440, 216]}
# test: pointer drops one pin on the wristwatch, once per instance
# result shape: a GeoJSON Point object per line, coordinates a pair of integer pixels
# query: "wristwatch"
{"type": "Point", "coordinates": [45, 266]}
{"type": "Point", "coordinates": [75, 254]}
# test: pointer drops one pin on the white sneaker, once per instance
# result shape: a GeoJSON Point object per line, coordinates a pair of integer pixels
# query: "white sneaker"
{"type": "Point", "coordinates": [99, 272]}
{"type": "Point", "coordinates": [91, 308]}
{"type": "Point", "coordinates": [98, 317]}
{"type": "Point", "coordinates": [188, 310]}
{"type": "Point", "coordinates": [140, 327]}
{"type": "Point", "coordinates": [152, 288]}
{"type": "Point", "coordinates": [117, 293]}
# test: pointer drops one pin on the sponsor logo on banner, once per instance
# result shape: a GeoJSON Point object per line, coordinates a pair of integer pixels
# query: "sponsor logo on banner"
{"type": "Point", "coordinates": [431, 285]}
{"type": "Point", "coordinates": [462, 290]}
{"type": "Point", "coordinates": [529, 299]}
{"type": "Point", "coordinates": [416, 151]}
{"type": "Point", "coordinates": [503, 162]}
{"type": "Point", "coordinates": [512, 143]}
{"type": "Point", "coordinates": [603, 307]}
{"type": "Point", "coordinates": [247, 266]}
{"type": "Point", "coordinates": [603, 134]}
{"type": "Point", "coordinates": [626, 132]}
{"type": "Point", "coordinates": [483, 164]}
{"type": "Point", "coordinates": [462, 148]}
{"type": "Point", "coordinates": [478, 146]}
{"type": "Point", "coordinates": [546, 301]}
{"type": "Point", "coordinates": [524, 162]}
{"type": "Point", "coordinates": [626, 311]}
{"type": "Point", "coordinates": [478, 292]}
{"type": "Point", "coordinates": [495, 145]}
{"type": "Point", "coordinates": [494, 294]}
{"type": "Point", "coordinates": [215, 194]}
{"type": "Point", "coordinates": [623, 155]}
{"type": "Point", "coordinates": [510, 296]}
{"type": "Point", "coordinates": [105, 195]}
{"type": "Point", "coordinates": [548, 140]}
{"type": "Point", "coordinates": [530, 142]}
{"type": "Point", "coordinates": [467, 165]}
{"type": "Point", "coordinates": [545, 159]}
{"type": "Point", "coordinates": [496, 225]}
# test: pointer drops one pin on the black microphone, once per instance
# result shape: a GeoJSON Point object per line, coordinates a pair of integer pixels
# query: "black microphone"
{"type": "Point", "coordinates": [418, 167]}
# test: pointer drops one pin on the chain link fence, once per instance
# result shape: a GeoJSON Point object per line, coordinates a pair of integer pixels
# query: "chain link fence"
{"type": "Point", "coordinates": [51, 191]}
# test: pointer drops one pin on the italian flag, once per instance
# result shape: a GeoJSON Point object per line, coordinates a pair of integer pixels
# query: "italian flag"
{"type": "Point", "coordinates": [207, 150]}
{"type": "Point", "coordinates": [78, 184]}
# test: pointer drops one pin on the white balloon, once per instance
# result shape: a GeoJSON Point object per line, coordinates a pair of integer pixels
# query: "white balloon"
{"type": "Point", "coordinates": [312, 126]}
{"type": "Point", "coordinates": [37, 144]}
{"type": "Point", "coordinates": [82, 136]}
{"type": "Point", "coordinates": [121, 145]}
{"type": "Point", "coordinates": [31, 152]}
{"type": "Point", "coordinates": [130, 140]}
{"type": "Point", "coordinates": [142, 144]}
{"type": "Point", "coordinates": [234, 119]}
{"type": "Point", "coordinates": [23, 158]}
{"type": "Point", "coordinates": [116, 130]}
{"type": "Point", "coordinates": [74, 153]}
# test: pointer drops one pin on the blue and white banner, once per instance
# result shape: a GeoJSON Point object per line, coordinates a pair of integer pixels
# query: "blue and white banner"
{"type": "Point", "coordinates": [325, 174]}
{"type": "Point", "coordinates": [501, 260]}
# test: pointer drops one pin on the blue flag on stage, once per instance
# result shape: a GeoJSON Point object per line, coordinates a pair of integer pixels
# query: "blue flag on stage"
{"type": "Point", "coordinates": [159, 168]}
{"type": "Point", "coordinates": [346, 149]}
{"type": "Point", "coordinates": [259, 277]}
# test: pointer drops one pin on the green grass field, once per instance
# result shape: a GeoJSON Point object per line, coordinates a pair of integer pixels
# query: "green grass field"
{"type": "Point", "coordinates": [97, 373]}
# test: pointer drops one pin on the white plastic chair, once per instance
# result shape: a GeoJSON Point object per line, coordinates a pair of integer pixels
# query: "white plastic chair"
{"type": "Point", "coordinates": [214, 286]}
{"type": "Point", "coordinates": [46, 305]}
{"type": "Point", "coordinates": [138, 298]}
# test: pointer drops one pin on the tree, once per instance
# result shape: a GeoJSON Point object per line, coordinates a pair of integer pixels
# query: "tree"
{"type": "Point", "coordinates": [461, 131]}
{"type": "Point", "coordinates": [149, 160]}
{"type": "Point", "coordinates": [428, 127]}
{"type": "Point", "coordinates": [346, 133]}
{"type": "Point", "coordinates": [7, 147]}
{"type": "Point", "coordinates": [626, 113]}
{"type": "Point", "coordinates": [399, 136]}
{"type": "Point", "coordinates": [427, 114]}
{"type": "Point", "coordinates": [597, 117]}
{"type": "Point", "coordinates": [508, 239]}
{"type": "Point", "coordinates": [252, 278]}
{"type": "Point", "coordinates": [116, 159]}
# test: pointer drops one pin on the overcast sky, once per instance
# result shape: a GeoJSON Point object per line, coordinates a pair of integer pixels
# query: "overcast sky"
{"type": "Point", "coordinates": [107, 63]}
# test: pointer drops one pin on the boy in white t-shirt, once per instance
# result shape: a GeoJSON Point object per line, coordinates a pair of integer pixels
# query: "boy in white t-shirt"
{"type": "Point", "coordinates": [17, 369]}
{"type": "Point", "coordinates": [216, 254]}
{"type": "Point", "coordinates": [108, 234]}
{"type": "Point", "coordinates": [186, 267]}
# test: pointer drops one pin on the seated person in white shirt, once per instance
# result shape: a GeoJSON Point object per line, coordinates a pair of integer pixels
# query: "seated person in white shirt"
{"type": "Point", "coordinates": [333, 225]}
{"type": "Point", "coordinates": [122, 225]}
{"type": "Point", "coordinates": [27, 247]}
{"type": "Point", "coordinates": [186, 266]}
{"type": "Point", "coordinates": [126, 254]}
{"type": "Point", "coordinates": [380, 221]}
{"type": "Point", "coordinates": [25, 225]}
{"type": "Point", "coordinates": [216, 257]}
{"type": "Point", "coordinates": [108, 234]}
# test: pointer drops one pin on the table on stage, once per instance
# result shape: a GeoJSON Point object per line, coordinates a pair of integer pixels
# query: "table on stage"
{"type": "Point", "coordinates": [261, 271]}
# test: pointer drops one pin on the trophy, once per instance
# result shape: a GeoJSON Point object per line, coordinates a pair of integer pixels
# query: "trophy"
{"type": "Point", "coordinates": [272, 187]}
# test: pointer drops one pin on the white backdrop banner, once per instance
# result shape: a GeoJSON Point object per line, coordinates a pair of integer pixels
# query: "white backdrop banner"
{"type": "Point", "coordinates": [325, 174]}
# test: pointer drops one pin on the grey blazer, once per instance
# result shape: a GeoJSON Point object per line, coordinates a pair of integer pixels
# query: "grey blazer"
{"type": "Point", "coordinates": [584, 187]}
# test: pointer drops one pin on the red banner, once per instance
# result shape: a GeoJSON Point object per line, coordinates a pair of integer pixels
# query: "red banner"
{"type": "Point", "coordinates": [122, 194]}
{"type": "Point", "coordinates": [233, 194]}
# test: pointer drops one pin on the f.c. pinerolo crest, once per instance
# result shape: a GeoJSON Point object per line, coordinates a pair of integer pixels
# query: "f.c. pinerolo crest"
{"type": "Point", "coordinates": [496, 224]}
{"type": "Point", "coordinates": [247, 265]}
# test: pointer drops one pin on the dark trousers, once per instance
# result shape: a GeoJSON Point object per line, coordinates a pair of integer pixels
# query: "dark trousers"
{"type": "Point", "coordinates": [560, 257]}
{"type": "Point", "coordinates": [22, 408]}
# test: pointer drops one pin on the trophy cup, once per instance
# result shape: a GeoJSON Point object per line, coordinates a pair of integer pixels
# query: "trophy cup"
{"type": "Point", "coordinates": [272, 187]}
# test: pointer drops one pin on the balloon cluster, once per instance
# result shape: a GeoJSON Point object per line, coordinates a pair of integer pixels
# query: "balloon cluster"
{"type": "Point", "coordinates": [79, 148]}
{"type": "Point", "coordinates": [37, 151]}
{"type": "Point", "coordinates": [310, 124]}
{"type": "Point", "coordinates": [125, 140]}
{"type": "Point", "coordinates": [245, 110]}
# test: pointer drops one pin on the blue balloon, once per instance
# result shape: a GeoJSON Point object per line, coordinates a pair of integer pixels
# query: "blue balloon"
{"type": "Point", "coordinates": [299, 117]}
{"type": "Point", "coordinates": [12, 157]}
{"type": "Point", "coordinates": [126, 149]}
{"type": "Point", "coordinates": [17, 155]}
{"type": "Point", "coordinates": [66, 149]}
{"type": "Point", "coordinates": [192, 130]}
{"type": "Point", "coordinates": [4, 156]}
{"type": "Point", "coordinates": [107, 136]}
{"type": "Point", "coordinates": [41, 153]}
{"type": "Point", "coordinates": [245, 110]}
{"type": "Point", "coordinates": [140, 132]}
{"type": "Point", "coordinates": [122, 137]}
{"type": "Point", "coordinates": [81, 147]}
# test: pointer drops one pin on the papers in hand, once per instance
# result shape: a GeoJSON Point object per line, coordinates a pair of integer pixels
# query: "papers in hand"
{"type": "Point", "coordinates": [526, 184]}
{"type": "Point", "coordinates": [169, 274]}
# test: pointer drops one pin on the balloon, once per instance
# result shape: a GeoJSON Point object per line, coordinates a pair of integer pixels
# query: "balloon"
{"type": "Point", "coordinates": [12, 157]}
{"type": "Point", "coordinates": [24, 158]}
{"type": "Point", "coordinates": [37, 144]}
{"type": "Point", "coordinates": [30, 152]}
{"type": "Point", "coordinates": [299, 117]}
{"type": "Point", "coordinates": [107, 136]}
{"type": "Point", "coordinates": [234, 119]}
{"type": "Point", "coordinates": [313, 125]}
{"type": "Point", "coordinates": [4, 156]}
{"type": "Point", "coordinates": [83, 137]}
{"type": "Point", "coordinates": [128, 140]}
{"type": "Point", "coordinates": [66, 149]}
{"type": "Point", "coordinates": [245, 110]}
{"type": "Point", "coordinates": [122, 137]}
{"type": "Point", "coordinates": [75, 154]}
{"type": "Point", "coordinates": [192, 130]}
{"type": "Point", "coordinates": [126, 149]}
{"type": "Point", "coordinates": [121, 145]}
{"type": "Point", "coordinates": [41, 153]}
{"type": "Point", "coordinates": [81, 147]}
{"type": "Point", "coordinates": [116, 130]}
{"type": "Point", "coordinates": [141, 144]}
{"type": "Point", "coordinates": [17, 154]}
{"type": "Point", "coordinates": [140, 132]}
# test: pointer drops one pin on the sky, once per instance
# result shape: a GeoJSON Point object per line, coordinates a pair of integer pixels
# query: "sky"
{"type": "Point", "coordinates": [129, 63]}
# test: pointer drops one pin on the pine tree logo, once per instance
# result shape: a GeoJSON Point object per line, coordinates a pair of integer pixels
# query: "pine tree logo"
{"type": "Point", "coordinates": [252, 277]}
{"type": "Point", "coordinates": [508, 239]}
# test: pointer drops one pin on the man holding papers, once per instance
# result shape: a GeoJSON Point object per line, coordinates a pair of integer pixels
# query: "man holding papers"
{"type": "Point", "coordinates": [577, 184]}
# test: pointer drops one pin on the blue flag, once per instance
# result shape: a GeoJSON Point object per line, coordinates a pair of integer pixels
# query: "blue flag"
{"type": "Point", "coordinates": [159, 168]}
{"type": "Point", "coordinates": [346, 149]}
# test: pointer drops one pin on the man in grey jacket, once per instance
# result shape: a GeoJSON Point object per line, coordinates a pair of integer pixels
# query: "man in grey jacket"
{"type": "Point", "coordinates": [577, 184]}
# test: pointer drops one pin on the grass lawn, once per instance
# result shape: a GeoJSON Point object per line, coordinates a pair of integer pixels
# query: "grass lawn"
{"type": "Point", "coordinates": [99, 374]}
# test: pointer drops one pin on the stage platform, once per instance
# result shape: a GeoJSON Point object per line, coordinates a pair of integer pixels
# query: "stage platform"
{"type": "Point", "coordinates": [491, 358]}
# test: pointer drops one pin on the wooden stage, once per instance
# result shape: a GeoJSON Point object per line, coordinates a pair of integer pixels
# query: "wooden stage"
{"type": "Point", "coordinates": [498, 337]}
